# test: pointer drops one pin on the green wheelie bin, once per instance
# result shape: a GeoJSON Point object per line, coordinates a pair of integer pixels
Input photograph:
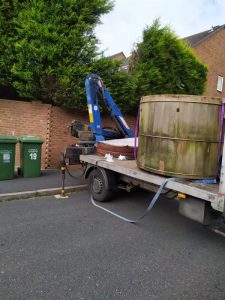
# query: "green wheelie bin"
{"type": "Point", "coordinates": [7, 156]}
{"type": "Point", "coordinates": [30, 155]}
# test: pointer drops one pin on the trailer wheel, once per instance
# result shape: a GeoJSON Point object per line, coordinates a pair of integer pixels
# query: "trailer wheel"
{"type": "Point", "coordinates": [101, 184]}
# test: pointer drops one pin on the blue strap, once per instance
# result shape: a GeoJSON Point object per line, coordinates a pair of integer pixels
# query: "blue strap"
{"type": "Point", "coordinates": [150, 206]}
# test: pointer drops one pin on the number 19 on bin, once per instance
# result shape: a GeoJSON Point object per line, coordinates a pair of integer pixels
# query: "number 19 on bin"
{"type": "Point", "coordinates": [33, 156]}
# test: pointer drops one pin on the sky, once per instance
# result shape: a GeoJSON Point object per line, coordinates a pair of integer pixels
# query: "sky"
{"type": "Point", "coordinates": [123, 26]}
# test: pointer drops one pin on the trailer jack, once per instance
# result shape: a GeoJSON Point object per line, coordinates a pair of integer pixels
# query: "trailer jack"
{"type": "Point", "coordinates": [62, 194]}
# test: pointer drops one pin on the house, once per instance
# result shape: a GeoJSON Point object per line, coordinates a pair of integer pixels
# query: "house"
{"type": "Point", "coordinates": [209, 46]}
{"type": "Point", "coordinates": [123, 59]}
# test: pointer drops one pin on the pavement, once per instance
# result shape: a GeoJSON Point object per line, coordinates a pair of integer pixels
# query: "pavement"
{"type": "Point", "coordinates": [49, 183]}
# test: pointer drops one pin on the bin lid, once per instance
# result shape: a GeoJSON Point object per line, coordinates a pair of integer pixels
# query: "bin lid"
{"type": "Point", "coordinates": [30, 139]}
{"type": "Point", "coordinates": [8, 139]}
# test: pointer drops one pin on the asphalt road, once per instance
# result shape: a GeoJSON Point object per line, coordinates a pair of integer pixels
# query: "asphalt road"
{"type": "Point", "coordinates": [68, 249]}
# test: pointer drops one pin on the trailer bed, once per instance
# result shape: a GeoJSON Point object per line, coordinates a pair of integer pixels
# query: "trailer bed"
{"type": "Point", "coordinates": [128, 168]}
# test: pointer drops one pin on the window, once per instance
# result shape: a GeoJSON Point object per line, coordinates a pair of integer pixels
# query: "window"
{"type": "Point", "coordinates": [220, 84]}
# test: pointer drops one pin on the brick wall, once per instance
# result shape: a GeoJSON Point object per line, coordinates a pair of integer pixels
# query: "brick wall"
{"type": "Point", "coordinates": [60, 137]}
{"type": "Point", "coordinates": [26, 118]}
{"type": "Point", "coordinates": [212, 52]}
{"type": "Point", "coordinates": [45, 121]}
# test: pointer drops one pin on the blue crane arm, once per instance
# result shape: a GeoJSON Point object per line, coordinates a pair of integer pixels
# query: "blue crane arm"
{"type": "Point", "coordinates": [96, 93]}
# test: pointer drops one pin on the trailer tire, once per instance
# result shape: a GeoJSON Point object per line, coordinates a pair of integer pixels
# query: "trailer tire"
{"type": "Point", "coordinates": [101, 184]}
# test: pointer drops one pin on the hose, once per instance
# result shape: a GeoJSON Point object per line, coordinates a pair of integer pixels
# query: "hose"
{"type": "Point", "coordinates": [79, 176]}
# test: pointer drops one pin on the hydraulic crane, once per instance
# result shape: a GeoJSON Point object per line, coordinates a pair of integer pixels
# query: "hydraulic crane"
{"type": "Point", "coordinates": [97, 96]}
{"type": "Point", "coordinates": [96, 93]}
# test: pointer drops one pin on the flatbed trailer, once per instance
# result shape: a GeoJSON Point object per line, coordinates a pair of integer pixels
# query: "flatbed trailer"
{"type": "Point", "coordinates": [198, 201]}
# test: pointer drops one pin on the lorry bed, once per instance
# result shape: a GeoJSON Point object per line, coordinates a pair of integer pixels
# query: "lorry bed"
{"type": "Point", "coordinates": [129, 169]}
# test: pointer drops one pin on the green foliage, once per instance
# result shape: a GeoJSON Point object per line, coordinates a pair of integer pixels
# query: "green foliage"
{"type": "Point", "coordinates": [54, 47]}
{"type": "Point", "coordinates": [8, 11]}
{"type": "Point", "coordinates": [48, 47]}
{"type": "Point", "coordinates": [165, 64]}
{"type": "Point", "coordinates": [121, 85]}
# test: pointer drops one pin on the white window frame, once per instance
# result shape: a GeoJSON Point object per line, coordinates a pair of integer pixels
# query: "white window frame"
{"type": "Point", "coordinates": [219, 83]}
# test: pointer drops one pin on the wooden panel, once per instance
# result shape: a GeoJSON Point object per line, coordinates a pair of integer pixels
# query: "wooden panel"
{"type": "Point", "coordinates": [179, 138]}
